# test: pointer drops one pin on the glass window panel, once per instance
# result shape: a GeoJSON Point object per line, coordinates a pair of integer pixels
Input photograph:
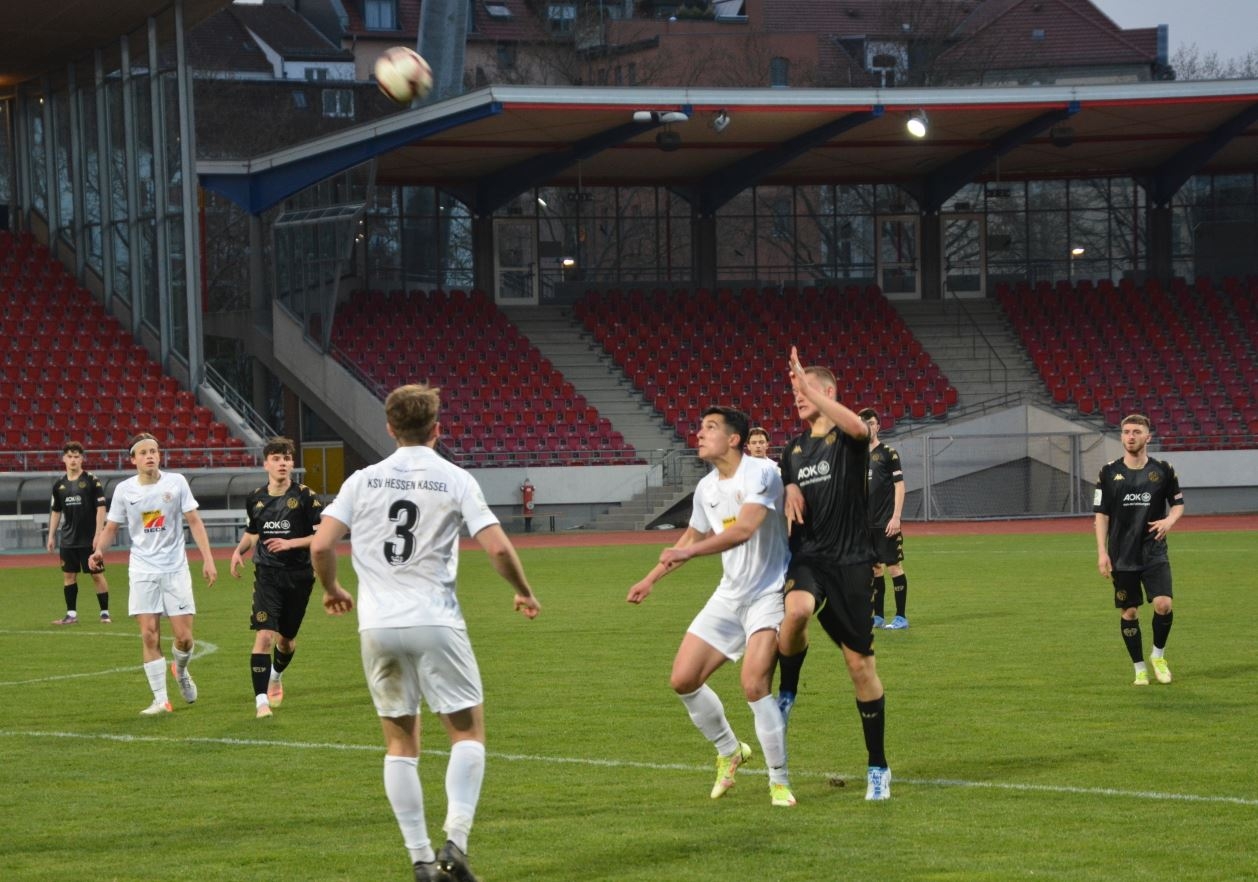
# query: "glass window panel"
{"type": "Point", "coordinates": [62, 141]}
{"type": "Point", "coordinates": [736, 238]}
{"type": "Point", "coordinates": [122, 263]}
{"type": "Point", "coordinates": [117, 153]}
{"type": "Point", "coordinates": [639, 231]}
{"type": "Point", "coordinates": [38, 167]}
{"type": "Point", "coordinates": [1089, 194]}
{"type": "Point", "coordinates": [146, 268]}
{"type": "Point", "coordinates": [675, 241]}
{"type": "Point", "coordinates": [143, 145]}
{"type": "Point", "coordinates": [169, 86]}
{"type": "Point", "coordinates": [178, 287]}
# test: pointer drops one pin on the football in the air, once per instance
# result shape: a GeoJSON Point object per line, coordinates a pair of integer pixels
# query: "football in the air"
{"type": "Point", "coordinates": [403, 75]}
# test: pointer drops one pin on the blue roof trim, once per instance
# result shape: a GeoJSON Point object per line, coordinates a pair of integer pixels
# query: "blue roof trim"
{"type": "Point", "coordinates": [255, 192]}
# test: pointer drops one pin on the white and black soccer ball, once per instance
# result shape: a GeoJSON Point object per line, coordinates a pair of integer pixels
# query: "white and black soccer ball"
{"type": "Point", "coordinates": [403, 75]}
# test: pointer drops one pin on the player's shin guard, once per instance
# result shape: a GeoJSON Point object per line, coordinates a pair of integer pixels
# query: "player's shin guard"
{"type": "Point", "coordinates": [1132, 638]}
{"type": "Point", "coordinates": [708, 715]}
{"type": "Point", "coordinates": [900, 584]}
{"type": "Point", "coordinates": [406, 797]}
{"type": "Point", "coordinates": [464, 775]}
{"type": "Point", "coordinates": [71, 593]}
{"type": "Point", "coordinates": [771, 732]}
{"type": "Point", "coordinates": [260, 671]}
{"type": "Point", "coordinates": [880, 596]}
{"type": "Point", "coordinates": [283, 659]}
{"type": "Point", "coordinates": [874, 723]}
{"type": "Point", "coordinates": [1162, 629]}
{"type": "Point", "coordinates": [789, 667]}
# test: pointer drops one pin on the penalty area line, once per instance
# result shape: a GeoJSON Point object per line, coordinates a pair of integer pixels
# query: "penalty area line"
{"type": "Point", "coordinates": [200, 649]}
{"type": "Point", "coordinates": [1111, 792]}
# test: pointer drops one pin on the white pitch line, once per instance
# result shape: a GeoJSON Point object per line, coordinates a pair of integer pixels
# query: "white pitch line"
{"type": "Point", "coordinates": [654, 767]}
{"type": "Point", "coordinates": [200, 649]}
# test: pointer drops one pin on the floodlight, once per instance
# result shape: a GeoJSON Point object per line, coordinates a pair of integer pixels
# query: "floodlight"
{"type": "Point", "coordinates": [917, 124]}
{"type": "Point", "coordinates": [1077, 251]}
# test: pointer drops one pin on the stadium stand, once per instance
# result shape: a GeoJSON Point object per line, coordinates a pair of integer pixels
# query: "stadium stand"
{"type": "Point", "coordinates": [70, 371]}
{"type": "Point", "coordinates": [1185, 357]}
{"type": "Point", "coordinates": [518, 409]}
{"type": "Point", "coordinates": [684, 350]}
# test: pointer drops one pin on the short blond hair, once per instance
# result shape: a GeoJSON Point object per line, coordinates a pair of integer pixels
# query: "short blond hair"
{"type": "Point", "coordinates": [412, 412]}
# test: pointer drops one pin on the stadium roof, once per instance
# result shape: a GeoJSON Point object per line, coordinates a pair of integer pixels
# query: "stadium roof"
{"type": "Point", "coordinates": [43, 36]}
{"type": "Point", "coordinates": [493, 144]}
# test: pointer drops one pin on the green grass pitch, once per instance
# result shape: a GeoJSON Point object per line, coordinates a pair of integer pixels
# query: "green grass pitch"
{"type": "Point", "coordinates": [1018, 746]}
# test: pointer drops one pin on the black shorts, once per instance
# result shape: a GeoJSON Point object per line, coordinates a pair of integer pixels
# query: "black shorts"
{"type": "Point", "coordinates": [74, 560]}
{"type": "Point", "coordinates": [279, 600]}
{"type": "Point", "coordinates": [887, 549]}
{"type": "Point", "coordinates": [845, 600]}
{"type": "Point", "coordinates": [1156, 582]}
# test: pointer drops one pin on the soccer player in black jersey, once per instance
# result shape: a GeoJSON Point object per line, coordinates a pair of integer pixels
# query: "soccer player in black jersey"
{"type": "Point", "coordinates": [280, 521]}
{"type": "Point", "coordinates": [826, 472]}
{"type": "Point", "coordinates": [1137, 502]}
{"type": "Point", "coordinates": [886, 504]}
{"type": "Point", "coordinates": [78, 511]}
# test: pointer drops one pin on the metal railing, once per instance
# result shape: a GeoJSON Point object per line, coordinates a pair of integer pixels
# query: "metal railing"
{"type": "Point", "coordinates": [238, 403]}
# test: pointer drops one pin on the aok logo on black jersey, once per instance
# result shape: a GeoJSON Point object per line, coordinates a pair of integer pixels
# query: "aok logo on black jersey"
{"type": "Point", "coordinates": [1145, 497]}
{"type": "Point", "coordinates": [277, 525]}
{"type": "Point", "coordinates": [812, 471]}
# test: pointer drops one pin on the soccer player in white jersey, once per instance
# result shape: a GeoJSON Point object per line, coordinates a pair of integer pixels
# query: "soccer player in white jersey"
{"type": "Point", "coordinates": [154, 506]}
{"type": "Point", "coordinates": [738, 513]}
{"type": "Point", "coordinates": [405, 514]}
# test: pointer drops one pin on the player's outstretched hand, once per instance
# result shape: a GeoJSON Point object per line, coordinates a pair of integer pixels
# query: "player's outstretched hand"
{"type": "Point", "coordinates": [528, 606]}
{"type": "Point", "coordinates": [639, 592]}
{"type": "Point", "coordinates": [210, 572]}
{"type": "Point", "coordinates": [336, 600]}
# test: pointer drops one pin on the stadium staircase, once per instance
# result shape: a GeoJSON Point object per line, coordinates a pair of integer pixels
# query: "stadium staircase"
{"type": "Point", "coordinates": [572, 350]}
{"type": "Point", "coordinates": [974, 345]}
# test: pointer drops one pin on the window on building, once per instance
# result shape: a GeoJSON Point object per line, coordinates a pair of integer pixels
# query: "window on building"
{"type": "Point", "coordinates": [561, 17]}
{"type": "Point", "coordinates": [314, 74]}
{"type": "Point", "coordinates": [497, 11]}
{"type": "Point", "coordinates": [780, 72]}
{"type": "Point", "coordinates": [338, 103]}
{"type": "Point", "coordinates": [380, 15]}
{"type": "Point", "coordinates": [506, 56]}
{"type": "Point", "coordinates": [299, 100]}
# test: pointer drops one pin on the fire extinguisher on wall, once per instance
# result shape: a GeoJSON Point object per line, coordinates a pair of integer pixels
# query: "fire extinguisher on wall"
{"type": "Point", "coordinates": [526, 494]}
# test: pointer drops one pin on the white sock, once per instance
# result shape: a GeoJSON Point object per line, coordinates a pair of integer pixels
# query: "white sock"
{"type": "Point", "coordinates": [406, 796]}
{"type": "Point", "coordinates": [708, 715]}
{"type": "Point", "coordinates": [1158, 653]}
{"type": "Point", "coordinates": [1141, 666]}
{"type": "Point", "coordinates": [261, 699]}
{"type": "Point", "coordinates": [464, 775]}
{"type": "Point", "coordinates": [182, 658]}
{"type": "Point", "coordinates": [156, 672]}
{"type": "Point", "coordinates": [772, 734]}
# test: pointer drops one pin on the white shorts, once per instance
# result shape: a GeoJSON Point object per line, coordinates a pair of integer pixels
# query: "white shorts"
{"type": "Point", "coordinates": [726, 626]}
{"type": "Point", "coordinates": [169, 593]}
{"type": "Point", "coordinates": [434, 661]}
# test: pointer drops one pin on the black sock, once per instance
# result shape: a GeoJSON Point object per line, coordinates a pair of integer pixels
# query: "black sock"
{"type": "Point", "coordinates": [282, 659]}
{"type": "Point", "coordinates": [102, 598]}
{"type": "Point", "coordinates": [790, 666]}
{"type": "Point", "coordinates": [72, 597]}
{"type": "Point", "coordinates": [900, 584]}
{"type": "Point", "coordinates": [1161, 629]}
{"type": "Point", "coordinates": [260, 668]}
{"type": "Point", "coordinates": [874, 722]}
{"type": "Point", "coordinates": [880, 595]}
{"type": "Point", "coordinates": [1131, 636]}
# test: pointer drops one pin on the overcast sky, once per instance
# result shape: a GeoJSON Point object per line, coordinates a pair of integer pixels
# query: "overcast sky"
{"type": "Point", "coordinates": [1228, 27]}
